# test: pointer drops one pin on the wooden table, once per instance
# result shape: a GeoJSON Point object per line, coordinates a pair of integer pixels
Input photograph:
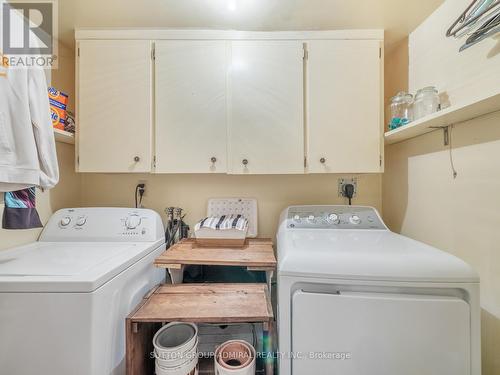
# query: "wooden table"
{"type": "Point", "coordinates": [195, 303]}
{"type": "Point", "coordinates": [256, 255]}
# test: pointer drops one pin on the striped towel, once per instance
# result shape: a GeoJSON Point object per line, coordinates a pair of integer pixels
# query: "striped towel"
{"type": "Point", "coordinates": [19, 211]}
{"type": "Point", "coordinates": [223, 222]}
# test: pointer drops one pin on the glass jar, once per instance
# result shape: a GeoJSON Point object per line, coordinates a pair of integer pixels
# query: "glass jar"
{"type": "Point", "coordinates": [426, 102]}
{"type": "Point", "coordinates": [401, 110]}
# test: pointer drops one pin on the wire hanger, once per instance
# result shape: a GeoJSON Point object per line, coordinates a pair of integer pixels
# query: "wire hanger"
{"type": "Point", "coordinates": [473, 13]}
{"type": "Point", "coordinates": [483, 19]}
{"type": "Point", "coordinates": [490, 28]}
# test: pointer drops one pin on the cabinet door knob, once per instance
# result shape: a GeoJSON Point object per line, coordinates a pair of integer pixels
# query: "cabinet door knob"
{"type": "Point", "coordinates": [213, 159]}
{"type": "Point", "coordinates": [245, 161]}
{"type": "Point", "coordinates": [137, 159]}
{"type": "Point", "coordinates": [322, 160]}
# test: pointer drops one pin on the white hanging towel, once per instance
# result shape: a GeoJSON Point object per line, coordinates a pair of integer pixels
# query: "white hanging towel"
{"type": "Point", "coordinates": [27, 146]}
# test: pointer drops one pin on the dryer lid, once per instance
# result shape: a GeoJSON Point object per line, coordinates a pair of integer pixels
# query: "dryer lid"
{"type": "Point", "coordinates": [66, 267]}
{"type": "Point", "coordinates": [367, 255]}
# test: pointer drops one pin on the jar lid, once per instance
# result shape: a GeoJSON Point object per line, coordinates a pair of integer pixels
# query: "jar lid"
{"type": "Point", "coordinates": [428, 89]}
{"type": "Point", "coordinates": [401, 96]}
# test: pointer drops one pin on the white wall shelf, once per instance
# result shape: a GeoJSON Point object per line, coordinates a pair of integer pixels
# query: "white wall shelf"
{"type": "Point", "coordinates": [449, 116]}
{"type": "Point", "coordinates": [64, 136]}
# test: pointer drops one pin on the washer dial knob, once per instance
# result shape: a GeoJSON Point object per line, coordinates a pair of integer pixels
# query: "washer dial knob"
{"type": "Point", "coordinates": [355, 219]}
{"type": "Point", "coordinates": [333, 218]}
{"type": "Point", "coordinates": [65, 221]}
{"type": "Point", "coordinates": [296, 218]}
{"type": "Point", "coordinates": [311, 219]}
{"type": "Point", "coordinates": [81, 221]}
{"type": "Point", "coordinates": [133, 221]}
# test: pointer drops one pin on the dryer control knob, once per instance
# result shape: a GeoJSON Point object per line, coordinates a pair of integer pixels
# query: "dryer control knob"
{"type": "Point", "coordinates": [65, 221]}
{"type": "Point", "coordinates": [333, 219]}
{"type": "Point", "coordinates": [355, 219]}
{"type": "Point", "coordinates": [81, 221]}
{"type": "Point", "coordinates": [133, 221]}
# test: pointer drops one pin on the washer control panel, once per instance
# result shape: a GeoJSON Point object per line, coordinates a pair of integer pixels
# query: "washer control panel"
{"type": "Point", "coordinates": [333, 217]}
{"type": "Point", "coordinates": [104, 224]}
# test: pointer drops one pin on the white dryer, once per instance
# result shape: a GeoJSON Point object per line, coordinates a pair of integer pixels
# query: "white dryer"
{"type": "Point", "coordinates": [64, 298]}
{"type": "Point", "coordinates": [357, 299]}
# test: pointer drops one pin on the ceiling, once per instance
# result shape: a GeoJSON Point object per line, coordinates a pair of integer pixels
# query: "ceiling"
{"type": "Point", "coordinates": [397, 17]}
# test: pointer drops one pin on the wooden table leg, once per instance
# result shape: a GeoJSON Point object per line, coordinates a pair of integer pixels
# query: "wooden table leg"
{"type": "Point", "coordinates": [269, 278]}
{"type": "Point", "coordinates": [268, 348]}
{"type": "Point", "coordinates": [176, 274]}
{"type": "Point", "coordinates": [139, 345]}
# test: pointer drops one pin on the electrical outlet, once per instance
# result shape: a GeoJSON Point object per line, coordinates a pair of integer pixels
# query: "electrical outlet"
{"type": "Point", "coordinates": [345, 181]}
{"type": "Point", "coordinates": [145, 182]}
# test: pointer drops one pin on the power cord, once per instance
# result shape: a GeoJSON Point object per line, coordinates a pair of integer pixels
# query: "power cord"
{"type": "Point", "coordinates": [349, 192]}
{"type": "Point", "coordinates": [139, 191]}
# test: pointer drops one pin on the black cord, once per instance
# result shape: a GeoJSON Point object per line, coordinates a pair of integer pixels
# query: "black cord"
{"type": "Point", "coordinates": [349, 192]}
{"type": "Point", "coordinates": [139, 190]}
{"type": "Point", "coordinates": [135, 195]}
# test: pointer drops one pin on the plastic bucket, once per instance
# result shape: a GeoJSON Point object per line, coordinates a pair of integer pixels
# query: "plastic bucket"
{"type": "Point", "coordinates": [192, 369]}
{"type": "Point", "coordinates": [176, 349]}
{"type": "Point", "coordinates": [177, 359]}
{"type": "Point", "coordinates": [235, 357]}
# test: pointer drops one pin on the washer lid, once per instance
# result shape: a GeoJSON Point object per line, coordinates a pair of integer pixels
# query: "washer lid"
{"type": "Point", "coordinates": [367, 255]}
{"type": "Point", "coordinates": [67, 267]}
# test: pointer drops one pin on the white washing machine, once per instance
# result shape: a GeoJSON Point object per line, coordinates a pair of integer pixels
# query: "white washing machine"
{"type": "Point", "coordinates": [357, 299]}
{"type": "Point", "coordinates": [64, 298]}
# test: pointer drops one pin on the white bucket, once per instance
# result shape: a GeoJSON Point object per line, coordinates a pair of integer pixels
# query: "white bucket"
{"type": "Point", "coordinates": [192, 369]}
{"type": "Point", "coordinates": [176, 349]}
{"type": "Point", "coordinates": [235, 357]}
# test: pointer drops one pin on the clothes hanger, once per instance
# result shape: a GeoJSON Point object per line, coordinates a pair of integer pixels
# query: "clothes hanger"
{"type": "Point", "coordinates": [472, 14]}
{"type": "Point", "coordinates": [470, 29]}
{"type": "Point", "coordinates": [479, 9]}
{"type": "Point", "coordinates": [463, 17]}
{"type": "Point", "coordinates": [491, 27]}
{"type": "Point", "coordinates": [480, 38]}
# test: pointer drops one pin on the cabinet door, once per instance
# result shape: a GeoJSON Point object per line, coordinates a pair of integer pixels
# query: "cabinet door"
{"type": "Point", "coordinates": [114, 106]}
{"type": "Point", "coordinates": [191, 126]}
{"type": "Point", "coordinates": [266, 133]}
{"type": "Point", "coordinates": [344, 123]}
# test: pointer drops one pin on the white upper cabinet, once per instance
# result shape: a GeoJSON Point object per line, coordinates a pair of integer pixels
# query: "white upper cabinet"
{"type": "Point", "coordinates": [190, 86]}
{"type": "Point", "coordinates": [230, 102]}
{"type": "Point", "coordinates": [344, 104]}
{"type": "Point", "coordinates": [265, 96]}
{"type": "Point", "coordinates": [114, 110]}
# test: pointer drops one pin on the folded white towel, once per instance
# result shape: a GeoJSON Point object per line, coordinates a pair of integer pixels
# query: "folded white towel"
{"type": "Point", "coordinates": [223, 222]}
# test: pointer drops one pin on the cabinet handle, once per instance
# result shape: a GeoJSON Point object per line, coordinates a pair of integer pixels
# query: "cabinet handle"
{"type": "Point", "coordinates": [137, 159]}
{"type": "Point", "coordinates": [245, 161]}
{"type": "Point", "coordinates": [322, 160]}
{"type": "Point", "coordinates": [213, 159]}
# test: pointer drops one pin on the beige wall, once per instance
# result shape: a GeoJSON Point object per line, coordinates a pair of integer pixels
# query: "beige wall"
{"type": "Point", "coordinates": [395, 74]}
{"type": "Point", "coordinates": [421, 199]}
{"type": "Point", "coordinates": [191, 192]}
